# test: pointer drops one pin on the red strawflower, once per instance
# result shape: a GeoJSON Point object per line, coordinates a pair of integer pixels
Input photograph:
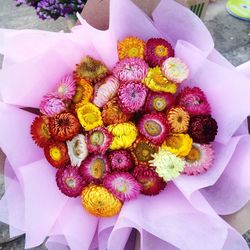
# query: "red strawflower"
{"type": "Point", "coordinates": [151, 183]}
{"type": "Point", "coordinates": [203, 129]}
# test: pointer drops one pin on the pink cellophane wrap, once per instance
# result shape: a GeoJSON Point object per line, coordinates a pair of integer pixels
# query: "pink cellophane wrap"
{"type": "Point", "coordinates": [186, 214]}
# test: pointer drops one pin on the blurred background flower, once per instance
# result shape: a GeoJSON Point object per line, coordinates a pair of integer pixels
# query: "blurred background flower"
{"type": "Point", "coordinates": [52, 9]}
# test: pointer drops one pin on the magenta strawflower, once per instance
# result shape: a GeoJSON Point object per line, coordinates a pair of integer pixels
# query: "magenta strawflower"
{"type": "Point", "coordinates": [122, 185]}
{"type": "Point", "coordinates": [94, 167]}
{"type": "Point", "coordinates": [51, 105]}
{"type": "Point", "coordinates": [154, 127]}
{"type": "Point", "coordinates": [69, 181]}
{"type": "Point", "coordinates": [131, 96]}
{"type": "Point", "coordinates": [131, 69]}
{"type": "Point", "coordinates": [199, 159]}
{"type": "Point", "coordinates": [151, 183]}
{"type": "Point", "coordinates": [159, 101]}
{"type": "Point", "coordinates": [98, 140]}
{"type": "Point", "coordinates": [66, 88]}
{"type": "Point", "coordinates": [120, 160]}
{"type": "Point", "coordinates": [157, 50]}
{"type": "Point", "coordinates": [194, 100]}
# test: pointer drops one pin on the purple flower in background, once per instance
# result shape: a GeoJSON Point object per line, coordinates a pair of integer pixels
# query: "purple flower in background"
{"type": "Point", "coordinates": [52, 9]}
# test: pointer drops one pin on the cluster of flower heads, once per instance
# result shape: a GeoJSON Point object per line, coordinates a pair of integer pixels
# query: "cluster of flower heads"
{"type": "Point", "coordinates": [113, 134]}
{"type": "Point", "coordinates": [52, 9]}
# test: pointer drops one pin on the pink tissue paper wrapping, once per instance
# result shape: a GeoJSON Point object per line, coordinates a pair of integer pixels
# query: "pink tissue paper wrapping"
{"type": "Point", "coordinates": [186, 214]}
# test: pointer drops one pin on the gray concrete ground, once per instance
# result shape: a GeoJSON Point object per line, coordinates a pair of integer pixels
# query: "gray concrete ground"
{"type": "Point", "coordinates": [232, 39]}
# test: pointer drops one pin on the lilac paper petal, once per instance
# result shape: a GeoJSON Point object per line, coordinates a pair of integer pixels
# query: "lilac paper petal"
{"type": "Point", "coordinates": [170, 217]}
{"type": "Point", "coordinates": [223, 153]}
{"type": "Point", "coordinates": [234, 241]}
{"type": "Point", "coordinates": [170, 222]}
{"type": "Point", "coordinates": [126, 19]}
{"type": "Point", "coordinates": [106, 49]}
{"type": "Point", "coordinates": [150, 241]}
{"type": "Point", "coordinates": [245, 69]}
{"type": "Point", "coordinates": [105, 227]}
{"type": "Point", "coordinates": [57, 243]}
{"type": "Point", "coordinates": [216, 57]}
{"type": "Point", "coordinates": [121, 233]}
{"type": "Point", "coordinates": [15, 136]}
{"type": "Point", "coordinates": [56, 239]}
{"type": "Point", "coordinates": [21, 45]}
{"type": "Point", "coordinates": [183, 26]}
{"type": "Point", "coordinates": [243, 129]}
{"type": "Point", "coordinates": [12, 203]}
{"type": "Point", "coordinates": [229, 111]}
{"type": "Point", "coordinates": [43, 201]}
{"type": "Point", "coordinates": [232, 190]}
{"type": "Point", "coordinates": [77, 225]}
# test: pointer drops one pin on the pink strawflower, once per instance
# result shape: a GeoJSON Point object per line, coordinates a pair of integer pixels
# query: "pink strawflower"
{"type": "Point", "coordinates": [51, 105]}
{"type": "Point", "coordinates": [99, 140]}
{"type": "Point", "coordinates": [131, 96]}
{"type": "Point", "coordinates": [66, 88]}
{"type": "Point", "coordinates": [159, 101]}
{"type": "Point", "coordinates": [131, 69]}
{"type": "Point", "coordinates": [94, 168]}
{"type": "Point", "coordinates": [157, 50]}
{"type": "Point", "coordinates": [69, 181]}
{"type": "Point", "coordinates": [194, 100]}
{"type": "Point", "coordinates": [199, 159]}
{"type": "Point", "coordinates": [154, 127]}
{"type": "Point", "coordinates": [106, 91]}
{"type": "Point", "coordinates": [120, 160]}
{"type": "Point", "coordinates": [122, 185]}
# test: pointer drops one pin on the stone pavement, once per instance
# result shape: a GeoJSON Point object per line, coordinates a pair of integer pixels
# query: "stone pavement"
{"type": "Point", "coordinates": [231, 36]}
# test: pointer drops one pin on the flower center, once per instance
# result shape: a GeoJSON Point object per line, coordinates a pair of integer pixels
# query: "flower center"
{"type": "Point", "coordinates": [147, 183]}
{"type": "Point", "coordinates": [159, 103]}
{"type": "Point", "coordinates": [143, 152]}
{"type": "Point", "coordinates": [71, 183]}
{"type": "Point", "coordinates": [97, 168]}
{"type": "Point", "coordinates": [152, 128]}
{"type": "Point", "coordinates": [133, 52]}
{"type": "Point", "coordinates": [161, 50]}
{"type": "Point", "coordinates": [122, 187]}
{"type": "Point", "coordinates": [159, 79]}
{"type": "Point", "coordinates": [45, 130]}
{"type": "Point", "coordinates": [63, 89]}
{"type": "Point", "coordinates": [174, 142]}
{"type": "Point", "coordinates": [180, 119]}
{"type": "Point", "coordinates": [194, 155]}
{"type": "Point", "coordinates": [77, 149]}
{"type": "Point", "coordinates": [55, 153]}
{"type": "Point", "coordinates": [78, 95]}
{"type": "Point", "coordinates": [90, 118]}
{"type": "Point", "coordinates": [97, 138]}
